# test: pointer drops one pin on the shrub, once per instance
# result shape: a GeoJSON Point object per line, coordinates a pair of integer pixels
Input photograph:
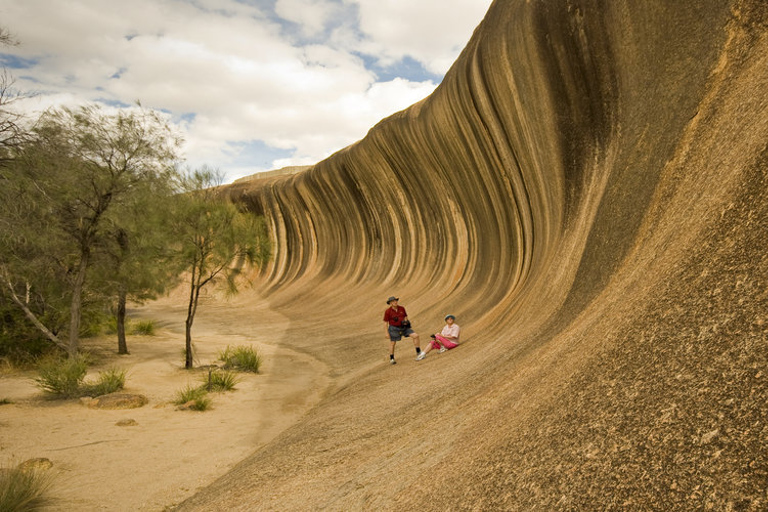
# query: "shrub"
{"type": "Point", "coordinates": [61, 377]}
{"type": "Point", "coordinates": [24, 490]}
{"type": "Point", "coordinates": [109, 381]}
{"type": "Point", "coordinates": [143, 328]}
{"type": "Point", "coordinates": [220, 380]}
{"type": "Point", "coordinates": [196, 398]}
{"type": "Point", "coordinates": [244, 359]}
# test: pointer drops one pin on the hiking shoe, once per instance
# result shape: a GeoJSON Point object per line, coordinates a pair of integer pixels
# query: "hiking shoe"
{"type": "Point", "coordinates": [421, 356]}
{"type": "Point", "coordinates": [442, 349]}
{"type": "Point", "coordinates": [392, 361]}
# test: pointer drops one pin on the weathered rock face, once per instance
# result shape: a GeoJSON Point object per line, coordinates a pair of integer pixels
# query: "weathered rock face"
{"type": "Point", "coordinates": [587, 192]}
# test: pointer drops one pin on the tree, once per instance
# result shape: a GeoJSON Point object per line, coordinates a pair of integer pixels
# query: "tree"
{"type": "Point", "coordinates": [11, 133]}
{"type": "Point", "coordinates": [218, 240]}
{"type": "Point", "coordinates": [65, 189]}
{"type": "Point", "coordinates": [139, 263]}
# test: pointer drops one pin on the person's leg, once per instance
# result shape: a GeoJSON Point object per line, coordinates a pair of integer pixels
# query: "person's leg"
{"type": "Point", "coordinates": [394, 337]}
{"type": "Point", "coordinates": [446, 343]}
{"type": "Point", "coordinates": [415, 338]}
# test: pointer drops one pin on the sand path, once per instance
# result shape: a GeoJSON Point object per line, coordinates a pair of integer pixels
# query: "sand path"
{"type": "Point", "coordinates": [169, 454]}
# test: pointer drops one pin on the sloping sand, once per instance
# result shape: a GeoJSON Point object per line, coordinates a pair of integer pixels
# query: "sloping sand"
{"type": "Point", "coordinates": [169, 454]}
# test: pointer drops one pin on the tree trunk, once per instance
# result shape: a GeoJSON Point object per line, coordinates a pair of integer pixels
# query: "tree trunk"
{"type": "Point", "coordinates": [76, 309]}
{"type": "Point", "coordinates": [122, 346]}
{"type": "Point", "coordinates": [193, 295]}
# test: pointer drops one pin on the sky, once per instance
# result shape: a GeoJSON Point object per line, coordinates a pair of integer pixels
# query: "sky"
{"type": "Point", "coordinates": [251, 85]}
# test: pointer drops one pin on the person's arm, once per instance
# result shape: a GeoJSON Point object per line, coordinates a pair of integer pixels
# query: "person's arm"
{"type": "Point", "coordinates": [451, 334]}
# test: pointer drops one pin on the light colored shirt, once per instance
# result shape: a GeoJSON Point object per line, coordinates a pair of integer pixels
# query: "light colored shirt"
{"type": "Point", "coordinates": [450, 331]}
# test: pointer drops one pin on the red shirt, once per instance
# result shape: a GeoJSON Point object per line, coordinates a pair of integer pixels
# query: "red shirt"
{"type": "Point", "coordinates": [395, 317]}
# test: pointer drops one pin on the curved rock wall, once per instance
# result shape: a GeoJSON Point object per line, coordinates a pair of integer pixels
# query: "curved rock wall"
{"type": "Point", "coordinates": [586, 190]}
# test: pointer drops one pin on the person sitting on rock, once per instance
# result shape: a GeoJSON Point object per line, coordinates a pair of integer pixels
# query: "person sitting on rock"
{"type": "Point", "coordinates": [446, 339]}
{"type": "Point", "coordinates": [398, 326]}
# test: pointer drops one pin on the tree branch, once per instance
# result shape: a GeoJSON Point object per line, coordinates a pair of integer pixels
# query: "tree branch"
{"type": "Point", "coordinates": [31, 316]}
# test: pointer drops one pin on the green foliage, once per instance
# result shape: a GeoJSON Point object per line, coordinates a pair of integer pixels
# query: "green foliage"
{"type": "Point", "coordinates": [109, 381]}
{"type": "Point", "coordinates": [61, 377]}
{"type": "Point", "coordinates": [242, 358]}
{"type": "Point", "coordinates": [94, 321]}
{"type": "Point", "coordinates": [70, 213]}
{"type": "Point", "coordinates": [65, 378]}
{"type": "Point", "coordinates": [197, 398]}
{"type": "Point", "coordinates": [220, 380]}
{"type": "Point", "coordinates": [143, 328]}
{"type": "Point", "coordinates": [218, 239]}
{"type": "Point", "coordinates": [24, 489]}
{"type": "Point", "coordinates": [133, 327]}
{"type": "Point", "coordinates": [21, 343]}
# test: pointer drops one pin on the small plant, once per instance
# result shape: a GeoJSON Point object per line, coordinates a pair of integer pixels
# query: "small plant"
{"type": "Point", "coordinates": [23, 489]}
{"type": "Point", "coordinates": [110, 325]}
{"type": "Point", "coordinates": [5, 401]}
{"type": "Point", "coordinates": [244, 359]}
{"type": "Point", "coordinates": [220, 380]}
{"type": "Point", "coordinates": [61, 377]}
{"type": "Point", "coordinates": [109, 381]}
{"type": "Point", "coordinates": [143, 328]}
{"type": "Point", "coordinates": [193, 398]}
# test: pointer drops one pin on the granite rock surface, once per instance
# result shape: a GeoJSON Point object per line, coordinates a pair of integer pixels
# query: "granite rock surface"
{"type": "Point", "coordinates": [587, 191]}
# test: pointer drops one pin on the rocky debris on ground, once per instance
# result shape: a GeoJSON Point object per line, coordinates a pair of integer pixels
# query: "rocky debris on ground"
{"type": "Point", "coordinates": [115, 401]}
{"type": "Point", "coordinates": [36, 464]}
{"type": "Point", "coordinates": [188, 406]}
{"type": "Point", "coordinates": [127, 423]}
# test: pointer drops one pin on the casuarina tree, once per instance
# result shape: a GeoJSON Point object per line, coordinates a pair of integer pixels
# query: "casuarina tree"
{"type": "Point", "coordinates": [65, 188]}
{"type": "Point", "coordinates": [219, 241]}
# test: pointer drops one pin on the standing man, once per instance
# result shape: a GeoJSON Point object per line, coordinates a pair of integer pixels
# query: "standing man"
{"type": "Point", "coordinates": [398, 326]}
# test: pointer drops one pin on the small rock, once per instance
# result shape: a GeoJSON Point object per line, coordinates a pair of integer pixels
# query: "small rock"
{"type": "Point", "coordinates": [187, 406]}
{"type": "Point", "coordinates": [127, 423]}
{"type": "Point", "coordinates": [37, 464]}
{"type": "Point", "coordinates": [710, 436]}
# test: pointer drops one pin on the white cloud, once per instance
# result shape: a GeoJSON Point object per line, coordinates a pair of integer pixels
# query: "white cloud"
{"type": "Point", "coordinates": [233, 72]}
{"type": "Point", "coordinates": [312, 16]}
{"type": "Point", "coordinates": [432, 32]}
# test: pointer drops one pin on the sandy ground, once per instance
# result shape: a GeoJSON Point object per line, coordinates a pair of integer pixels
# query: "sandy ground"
{"type": "Point", "coordinates": [169, 454]}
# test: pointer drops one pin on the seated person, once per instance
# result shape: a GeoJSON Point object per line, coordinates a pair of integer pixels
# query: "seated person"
{"type": "Point", "coordinates": [446, 339]}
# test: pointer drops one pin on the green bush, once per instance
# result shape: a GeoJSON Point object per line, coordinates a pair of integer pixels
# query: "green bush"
{"type": "Point", "coordinates": [93, 322]}
{"type": "Point", "coordinates": [143, 328]}
{"type": "Point", "coordinates": [244, 359]}
{"type": "Point", "coordinates": [23, 490]}
{"type": "Point", "coordinates": [220, 380]}
{"type": "Point", "coordinates": [61, 377]}
{"type": "Point", "coordinates": [109, 381]}
{"type": "Point", "coordinates": [196, 397]}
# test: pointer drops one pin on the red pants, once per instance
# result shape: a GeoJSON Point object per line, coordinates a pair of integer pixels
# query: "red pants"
{"type": "Point", "coordinates": [441, 341]}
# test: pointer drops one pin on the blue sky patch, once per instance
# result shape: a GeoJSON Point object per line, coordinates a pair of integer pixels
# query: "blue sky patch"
{"type": "Point", "coordinates": [256, 153]}
{"type": "Point", "coordinates": [407, 68]}
{"type": "Point", "coordinates": [15, 62]}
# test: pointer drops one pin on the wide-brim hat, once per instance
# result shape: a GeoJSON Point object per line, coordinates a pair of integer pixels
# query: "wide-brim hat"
{"type": "Point", "coordinates": [391, 299]}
